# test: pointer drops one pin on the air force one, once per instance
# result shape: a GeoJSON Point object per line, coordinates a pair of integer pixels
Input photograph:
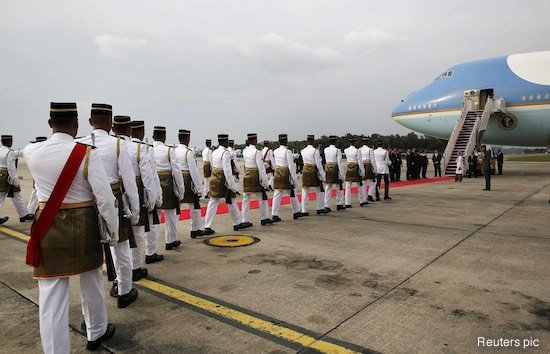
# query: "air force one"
{"type": "Point", "coordinates": [498, 101]}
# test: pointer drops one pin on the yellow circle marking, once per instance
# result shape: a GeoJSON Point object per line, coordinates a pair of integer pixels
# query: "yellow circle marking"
{"type": "Point", "coordinates": [231, 241]}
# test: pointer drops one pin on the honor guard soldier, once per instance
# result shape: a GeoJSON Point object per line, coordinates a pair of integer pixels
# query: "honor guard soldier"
{"type": "Point", "coordinates": [222, 185]}
{"type": "Point", "coordinates": [382, 160]}
{"type": "Point", "coordinates": [285, 179]}
{"type": "Point", "coordinates": [171, 182]}
{"type": "Point", "coordinates": [255, 181]}
{"type": "Point", "coordinates": [234, 162]}
{"type": "Point", "coordinates": [32, 205]}
{"type": "Point", "coordinates": [120, 175]}
{"type": "Point", "coordinates": [207, 165]}
{"type": "Point", "coordinates": [313, 175]}
{"type": "Point", "coordinates": [334, 169]}
{"type": "Point", "coordinates": [137, 154]}
{"type": "Point", "coordinates": [192, 180]}
{"type": "Point", "coordinates": [269, 162]}
{"type": "Point", "coordinates": [9, 182]}
{"type": "Point", "coordinates": [72, 188]}
{"type": "Point", "coordinates": [152, 222]}
{"type": "Point", "coordinates": [354, 169]}
{"type": "Point", "coordinates": [369, 179]}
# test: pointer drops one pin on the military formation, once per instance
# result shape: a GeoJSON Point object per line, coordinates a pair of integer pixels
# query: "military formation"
{"type": "Point", "coordinates": [109, 190]}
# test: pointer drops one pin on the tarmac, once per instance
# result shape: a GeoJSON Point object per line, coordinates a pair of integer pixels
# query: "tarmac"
{"type": "Point", "coordinates": [443, 267]}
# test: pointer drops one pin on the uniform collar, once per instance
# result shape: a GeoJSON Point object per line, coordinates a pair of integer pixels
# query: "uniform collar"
{"type": "Point", "coordinates": [99, 132]}
{"type": "Point", "coordinates": [57, 137]}
{"type": "Point", "coordinates": [185, 146]}
{"type": "Point", "coordinates": [158, 143]}
{"type": "Point", "coordinates": [136, 140]}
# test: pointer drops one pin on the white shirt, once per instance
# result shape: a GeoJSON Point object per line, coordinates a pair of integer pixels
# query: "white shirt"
{"type": "Point", "coordinates": [221, 158]}
{"type": "Point", "coordinates": [46, 161]}
{"type": "Point", "coordinates": [382, 159]}
{"type": "Point", "coordinates": [253, 159]}
{"type": "Point", "coordinates": [143, 169]}
{"type": "Point", "coordinates": [153, 167]}
{"type": "Point", "coordinates": [334, 155]}
{"type": "Point", "coordinates": [285, 158]}
{"type": "Point", "coordinates": [187, 161]}
{"type": "Point", "coordinates": [166, 160]}
{"type": "Point", "coordinates": [233, 155]}
{"type": "Point", "coordinates": [459, 165]}
{"type": "Point", "coordinates": [207, 154]}
{"type": "Point", "coordinates": [367, 154]}
{"type": "Point", "coordinates": [267, 157]}
{"type": "Point", "coordinates": [7, 160]}
{"type": "Point", "coordinates": [354, 155]}
{"type": "Point", "coordinates": [311, 156]}
{"type": "Point", "coordinates": [117, 166]}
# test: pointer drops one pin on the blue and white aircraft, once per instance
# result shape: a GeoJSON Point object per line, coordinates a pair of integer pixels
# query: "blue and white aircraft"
{"type": "Point", "coordinates": [522, 81]}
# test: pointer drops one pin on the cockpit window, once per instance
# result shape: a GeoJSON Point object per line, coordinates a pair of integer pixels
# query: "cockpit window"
{"type": "Point", "coordinates": [445, 75]}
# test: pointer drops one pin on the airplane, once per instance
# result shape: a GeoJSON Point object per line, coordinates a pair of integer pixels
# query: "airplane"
{"type": "Point", "coordinates": [511, 95]}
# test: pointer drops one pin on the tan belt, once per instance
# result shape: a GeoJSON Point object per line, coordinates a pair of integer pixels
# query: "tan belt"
{"type": "Point", "coordinates": [3, 169]}
{"type": "Point", "coordinates": [116, 186]}
{"type": "Point", "coordinates": [251, 168]}
{"type": "Point", "coordinates": [164, 173]}
{"type": "Point", "coordinates": [310, 164]}
{"type": "Point", "coordinates": [89, 203]}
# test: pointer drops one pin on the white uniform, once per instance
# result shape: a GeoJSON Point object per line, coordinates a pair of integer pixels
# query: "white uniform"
{"type": "Point", "coordinates": [334, 155]}
{"type": "Point", "coordinates": [187, 162]}
{"type": "Point", "coordinates": [367, 154]}
{"type": "Point", "coordinates": [222, 160]}
{"type": "Point", "coordinates": [237, 167]}
{"type": "Point", "coordinates": [269, 160]}
{"type": "Point", "coordinates": [311, 156]}
{"type": "Point", "coordinates": [206, 157]}
{"type": "Point", "coordinates": [139, 159]}
{"type": "Point", "coordinates": [353, 155]}
{"type": "Point", "coordinates": [166, 161]}
{"type": "Point", "coordinates": [152, 236]}
{"type": "Point", "coordinates": [7, 161]}
{"type": "Point", "coordinates": [284, 157]}
{"type": "Point", "coordinates": [118, 168]}
{"type": "Point", "coordinates": [253, 159]}
{"type": "Point", "coordinates": [45, 161]}
{"type": "Point", "coordinates": [382, 159]}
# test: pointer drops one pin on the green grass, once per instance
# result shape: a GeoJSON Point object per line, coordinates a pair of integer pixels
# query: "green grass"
{"type": "Point", "coordinates": [530, 158]}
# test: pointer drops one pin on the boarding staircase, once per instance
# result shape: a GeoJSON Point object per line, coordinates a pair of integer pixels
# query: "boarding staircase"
{"type": "Point", "coordinates": [467, 133]}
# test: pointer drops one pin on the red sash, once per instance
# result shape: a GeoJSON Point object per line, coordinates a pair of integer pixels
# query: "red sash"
{"type": "Point", "coordinates": [41, 226]}
{"type": "Point", "coordinates": [265, 155]}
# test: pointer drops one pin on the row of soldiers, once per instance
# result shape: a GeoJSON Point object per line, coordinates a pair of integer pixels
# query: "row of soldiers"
{"type": "Point", "coordinates": [108, 191]}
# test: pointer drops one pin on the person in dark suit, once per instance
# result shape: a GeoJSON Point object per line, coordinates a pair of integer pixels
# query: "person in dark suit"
{"type": "Point", "coordinates": [436, 158]}
{"type": "Point", "coordinates": [500, 161]}
{"type": "Point", "coordinates": [423, 163]}
{"type": "Point", "coordinates": [486, 166]}
{"type": "Point", "coordinates": [472, 164]}
{"type": "Point", "coordinates": [409, 158]}
{"type": "Point", "coordinates": [394, 165]}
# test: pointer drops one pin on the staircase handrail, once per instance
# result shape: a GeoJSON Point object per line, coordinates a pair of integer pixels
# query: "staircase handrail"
{"type": "Point", "coordinates": [466, 107]}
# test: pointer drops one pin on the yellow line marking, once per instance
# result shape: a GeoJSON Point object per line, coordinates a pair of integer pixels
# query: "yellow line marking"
{"type": "Point", "coordinates": [14, 233]}
{"type": "Point", "coordinates": [245, 319]}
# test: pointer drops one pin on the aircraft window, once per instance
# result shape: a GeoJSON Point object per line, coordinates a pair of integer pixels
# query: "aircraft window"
{"type": "Point", "coordinates": [435, 105]}
{"type": "Point", "coordinates": [429, 105]}
{"type": "Point", "coordinates": [539, 96]}
{"type": "Point", "coordinates": [531, 97]}
{"type": "Point", "coordinates": [547, 96]}
{"type": "Point", "coordinates": [523, 98]}
{"type": "Point", "coordinates": [410, 108]}
{"type": "Point", "coordinates": [414, 107]}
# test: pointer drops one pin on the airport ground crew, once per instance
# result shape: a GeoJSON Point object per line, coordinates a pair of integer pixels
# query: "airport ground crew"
{"type": "Point", "coordinates": [285, 179]}
{"type": "Point", "coordinates": [9, 181]}
{"type": "Point", "coordinates": [192, 180]}
{"type": "Point", "coordinates": [121, 177]}
{"type": "Point", "coordinates": [59, 223]}
{"type": "Point", "coordinates": [171, 182]}
{"type": "Point", "coordinates": [354, 170]}
{"type": "Point", "coordinates": [334, 170]}
{"type": "Point", "coordinates": [312, 176]}
{"type": "Point", "coordinates": [369, 179]}
{"type": "Point", "coordinates": [255, 181]}
{"type": "Point", "coordinates": [207, 165]}
{"type": "Point", "coordinates": [222, 185]}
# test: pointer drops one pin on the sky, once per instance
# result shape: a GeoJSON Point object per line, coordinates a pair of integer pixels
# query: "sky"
{"type": "Point", "coordinates": [297, 67]}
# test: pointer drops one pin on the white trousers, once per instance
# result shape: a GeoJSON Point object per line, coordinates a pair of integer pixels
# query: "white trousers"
{"type": "Point", "coordinates": [18, 202]}
{"type": "Point", "coordinates": [54, 310]}
{"type": "Point", "coordinates": [319, 197]}
{"type": "Point", "coordinates": [348, 192]}
{"type": "Point", "coordinates": [372, 188]}
{"type": "Point", "coordinates": [328, 194]}
{"type": "Point", "coordinates": [33, 202]}
{"type": "Point", "coordinates": [170, 225]}
{"type": "Point", "coordinates": [123, 266]}
{"type": "Point", "coordinates": [264, 209]}
{"type": "Point", "coordinates": [206, 186]}
{"type": "Point", "coordinates": [270, 179]}
{"type": "Point", "coordinates": [212, 209]}
{"type": "Point", "coordinates": [195, 217]}
{"type": "Point", "coordinates": [152, 237]}
{"type": "Point", "coordinates": [138, 253]}
{"type": "Point", "coordinates": [363, 192]}
{"type": "Point", "coordinates": [276, 205]}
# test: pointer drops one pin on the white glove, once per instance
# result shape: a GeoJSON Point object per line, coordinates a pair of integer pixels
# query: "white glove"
{"type": "Point", "coordinates": [114, 240]}
{"type": "Point", "coordinates": [158, 203]}
{"type": "Point", "coordinates": [135, 218]}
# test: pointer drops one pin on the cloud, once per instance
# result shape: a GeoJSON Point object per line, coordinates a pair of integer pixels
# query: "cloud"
{"type": "Point", "coordinates": [281, 55]}
{"type": "Point", "coordinates": [118, 47]}
{"type": "Point", "coordinates": [371, 38]}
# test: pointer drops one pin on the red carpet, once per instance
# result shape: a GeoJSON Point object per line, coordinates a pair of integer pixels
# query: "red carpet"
{"type": "Point", "coordinates": [254, 204]}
